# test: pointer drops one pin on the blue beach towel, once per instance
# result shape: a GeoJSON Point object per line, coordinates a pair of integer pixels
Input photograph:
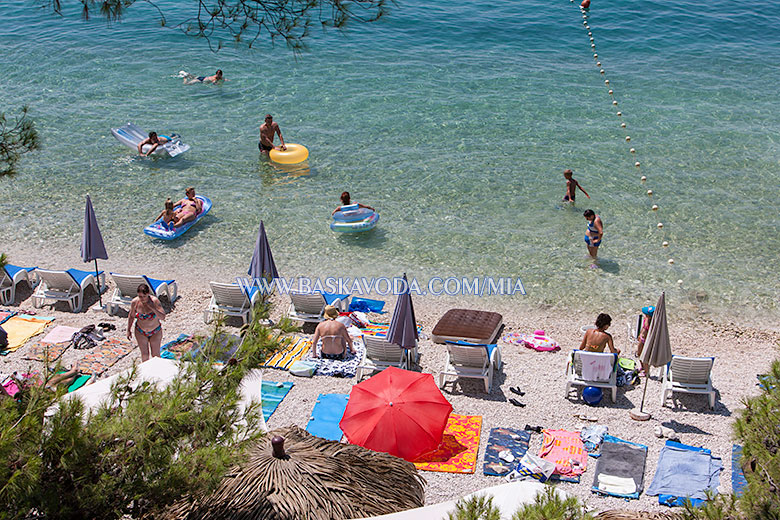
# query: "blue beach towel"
{"type": "Point", "coordinates": [503, 439]}
{"type": "Point", "coordinates": [271, 395]}
{"type": "Point", "coordinates": [366, 305]}
{"type": "Point", "coordinates": [332, 297]}
{"type": "Point", "coordinates": [326, 415]}
{"type": "Point", "coordinates": [738, 480]}
{"type": "Point", "coordinates": [685, 473]}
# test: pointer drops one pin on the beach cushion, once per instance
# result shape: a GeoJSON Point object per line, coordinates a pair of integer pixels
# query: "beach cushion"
{"type": "Point", "coordinates": [469, 325]}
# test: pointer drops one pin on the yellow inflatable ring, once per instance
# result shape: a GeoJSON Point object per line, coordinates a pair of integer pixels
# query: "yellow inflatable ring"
{"type": "Point", "coordinates": [295, 153]}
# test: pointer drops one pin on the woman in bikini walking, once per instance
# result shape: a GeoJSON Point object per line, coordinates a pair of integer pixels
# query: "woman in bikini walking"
{"type": "Point", "coordinates": [147, 313]}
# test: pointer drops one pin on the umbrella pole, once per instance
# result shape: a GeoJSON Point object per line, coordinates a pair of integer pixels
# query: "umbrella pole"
{"type": "Point", "coordinates": [642, 415]}
{"type": "Point", "coordinates": [97, 281]}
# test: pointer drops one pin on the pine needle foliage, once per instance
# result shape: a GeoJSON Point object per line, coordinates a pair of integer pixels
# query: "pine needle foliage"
{"type": "Point", "coordinates": [548, 505]}
{"type": "Point", "coordinates": [17, 137]}
{"type": "Point", "coordinates": [141, 450]}
{"type": "Point", "coordinates": [478, 507]}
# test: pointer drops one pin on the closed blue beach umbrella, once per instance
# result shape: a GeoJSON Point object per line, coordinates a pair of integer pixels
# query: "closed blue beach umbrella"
{"type": "Point", "coordinates": [262, 264]}
{"type": "Point", "coordinates": [92, 246]}
{"type": "Point", "coordinates": [403, 326]}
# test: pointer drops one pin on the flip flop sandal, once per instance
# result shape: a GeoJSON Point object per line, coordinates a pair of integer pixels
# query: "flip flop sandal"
{"type": "Point", "coordinates": [515, 402]}
{"type": "Point", "coordinates": [516, 390]}
{"type": "Point", "coordinates": [537, 429]}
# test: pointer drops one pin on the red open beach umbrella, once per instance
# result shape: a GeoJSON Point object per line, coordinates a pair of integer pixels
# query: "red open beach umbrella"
{"type": "Point", "coordinates": [398, 412]}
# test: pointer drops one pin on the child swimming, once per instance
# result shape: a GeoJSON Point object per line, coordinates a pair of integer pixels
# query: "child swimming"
{"type": "Point", "coordinates": [167, 215]}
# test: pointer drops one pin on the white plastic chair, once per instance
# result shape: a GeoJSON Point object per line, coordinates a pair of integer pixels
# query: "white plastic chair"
{"type": "Point", "coordinates": [231, 299]}
{"type": "Point", "coordinates": [127, 287]}
{"type": "Point", "coordinates": [381, 354]}
{"type": "Point", "coordinates": [309, 307]}
{"type": "Point", "coordinates": [470, 361]}
{"type": "Point", "coordinates": [11, 276]}
{"type": "Point", "coordinates": [690, 376]}
{"type": "Point", "coordinates": [65, 286]}
{"type": "Point", "coordinates": [574, 373]}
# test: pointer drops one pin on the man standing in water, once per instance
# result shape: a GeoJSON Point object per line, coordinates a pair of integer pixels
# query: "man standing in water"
{"type": "Point", "coordinates": [594, 232]}
{"type": "Point", "coordinates": [267, 131]}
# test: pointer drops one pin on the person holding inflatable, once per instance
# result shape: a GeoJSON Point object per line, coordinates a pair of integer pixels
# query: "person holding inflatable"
{"type": "Point", "coordinates": [267, 131]}
{"type": "Point", "coordinates": [594, 232]}
{"type": "Point", "coordinates": [154, 141]}
{"type": "Point", "coordinates": [189, 208]}
{"type": "Point", "coordinates": [345, 201]}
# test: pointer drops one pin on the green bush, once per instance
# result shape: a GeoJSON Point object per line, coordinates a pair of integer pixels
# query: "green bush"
{"type": "Point", "coordinates": [478, 507]}
{"type": "Point", "coordinates": [140, 451]}
{"type": "Point", "coordinates": [550, 506]}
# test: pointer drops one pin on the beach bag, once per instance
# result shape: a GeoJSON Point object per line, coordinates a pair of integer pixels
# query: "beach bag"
{"type": "Point", "coordinates": [533, 467]}
{"type": "Point", "coordinates": [303, 368]}
{"type": "Point", "coordinates": [86, 338]}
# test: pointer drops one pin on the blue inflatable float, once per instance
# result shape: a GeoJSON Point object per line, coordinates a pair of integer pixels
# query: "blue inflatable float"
{"type": "Point", "coordinates": [160, 230]}
{"type": "Point", "coordinates": [354, 219]}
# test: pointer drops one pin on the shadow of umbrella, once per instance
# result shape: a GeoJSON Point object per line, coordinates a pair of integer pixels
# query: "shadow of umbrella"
{"type": "Point", "coordinates": [291, 474]}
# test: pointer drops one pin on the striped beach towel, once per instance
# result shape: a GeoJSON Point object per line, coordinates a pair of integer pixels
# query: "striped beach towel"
{"type": "Point", "coordinates": [380, 329]}
{"type": "Point", "coordinates": [294, 348]}
{"type": "Point", "coordinates": [561, 447]}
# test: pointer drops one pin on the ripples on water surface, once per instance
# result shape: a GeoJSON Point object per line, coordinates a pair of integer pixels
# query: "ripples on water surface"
{"type": "Point", "coordinates": [455, 120]}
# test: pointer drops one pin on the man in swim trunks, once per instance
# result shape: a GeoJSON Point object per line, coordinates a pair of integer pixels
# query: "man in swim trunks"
{"type": "Point", "coordinates": [571, 187]}
{"type": "Point", "coordinates": [189, 208]}
{"type": "Point", "coordinates": [154, 140]}
{"type": "Point", "coordinates": [267, 131]}
{"type": "Point", "coordinates": [594, 232]}
{"type": "Point", "coordinates": [216, 78]}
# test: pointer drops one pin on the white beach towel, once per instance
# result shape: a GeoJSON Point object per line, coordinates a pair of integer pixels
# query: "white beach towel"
{"type": "Point", "coordinates": [617, 485]}
{"type": "Point", "coordinates": [596, 366]}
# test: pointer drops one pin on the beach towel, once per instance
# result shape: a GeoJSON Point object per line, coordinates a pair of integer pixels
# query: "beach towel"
{"type": "Point", "coordinates": [380, 329]}
{"type": "Point", "coordinates": [539, 342]}
{"type": "Point", "coordinates": [104, 356]}
{"type": "Point", "coordinates": [178, 347]}
{"type": "Point", "coordinates": [595, 366]}
{"type": "Point", "coordinates": [560, 447]}
{"type": "Point", "coordinates": [738, 480]}
{"type": "Point", "coordinates": [4, 315]}
{"type": "Point", "coordinates": [457, 452]}
{"type": "Point", "coordinates": [49, 352]}
{"type": "Point", "coordinates": [326, 415]}
{"type": "Point", "coordinates": [78, 382]}
{"type": "Point", "coordinates": [503, 441]}
{"type": "Point", "coordinates": [685, 472]}
{"type": "Point", "coordinates": [620, 469]}
{"type": "Point", "coordinates": [271, 395]}
{"type": "Point", "coordinates": [224, 347]}
{"type": "Point", "coordinates": [366, 305]}
{"type": "Point", "coordinates": [346, 367]}
{"type": "Point", "coordinates": [60, 334]}
{"type": "Point", "coordinates": [22, 327]}
{"type": "Point", "coordinates": [294, 348]}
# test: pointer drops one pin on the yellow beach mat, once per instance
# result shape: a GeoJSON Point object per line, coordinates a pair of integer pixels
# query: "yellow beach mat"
{"type": "Point", "coordinates": [294, 348]}
{"type": "Point", "coordinates": [23, 327]}
{"type": "Point", "coordinates": [457, 452]}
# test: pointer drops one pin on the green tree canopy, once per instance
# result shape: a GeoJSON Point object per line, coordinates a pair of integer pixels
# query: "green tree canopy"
{"type": "Point", "coordinates": [16, 138]}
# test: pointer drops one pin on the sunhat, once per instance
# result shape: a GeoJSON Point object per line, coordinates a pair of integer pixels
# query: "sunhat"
{"type": "Point", "coordinates": [331, 312]}
{"type": "Point", "coordinates": [648, 311]}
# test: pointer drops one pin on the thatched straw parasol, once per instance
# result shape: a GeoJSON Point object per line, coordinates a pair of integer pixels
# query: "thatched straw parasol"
{"type": "Point", "coordinates": [617, 514]}
{"type": "Point", "coordinates": [292, 475]}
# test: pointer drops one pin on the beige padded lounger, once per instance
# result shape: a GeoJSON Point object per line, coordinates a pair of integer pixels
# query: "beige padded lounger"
{"type": "Point", "coordinates": [468, 325]}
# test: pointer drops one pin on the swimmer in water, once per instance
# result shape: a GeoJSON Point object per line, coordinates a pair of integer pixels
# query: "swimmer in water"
{"type": "Point", "coordinates": [346, 201]}
{"type": "Point", "coordinates": [189, 79]}
{"type": "Point", "coordinates": [571, 187]}
{"type": "Point", "coordinates": [154, 141]}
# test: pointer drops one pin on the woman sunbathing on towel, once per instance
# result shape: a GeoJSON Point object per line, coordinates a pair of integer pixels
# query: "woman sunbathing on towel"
{"type": "Point", "coordinates": [334, 337]}
{"type": "Point", "coordinates": [345, 201]}
{"type": "Point", "coordinates": [596, 340]}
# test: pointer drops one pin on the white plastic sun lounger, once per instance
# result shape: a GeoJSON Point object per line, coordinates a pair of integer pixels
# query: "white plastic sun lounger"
{"type": "Point", "coordinates": [127, 287]}
{"type": "Point", "coordinates": [66, 286]}
{"type": "Point", "coordinates": [231, 299]}
{"type": "Point", "coordinates": [10, 277]}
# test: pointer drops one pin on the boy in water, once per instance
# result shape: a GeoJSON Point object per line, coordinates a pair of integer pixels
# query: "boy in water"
{"type": "Point", "coordinates": [571, 187]}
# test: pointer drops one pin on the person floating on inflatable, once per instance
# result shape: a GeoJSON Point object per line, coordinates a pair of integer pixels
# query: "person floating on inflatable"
{"type": "Point", "coordinates": [154, 141]}
{"type": "Point", "coordinates": [345, 201]}
{"type": "Point", "coordinates": [267, 131]}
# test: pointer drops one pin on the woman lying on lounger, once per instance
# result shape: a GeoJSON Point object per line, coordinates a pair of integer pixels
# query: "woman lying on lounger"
{"type": "Point", "coordinates": [596, 340]}
{"type": "Point", "coordinates": [334, 337]}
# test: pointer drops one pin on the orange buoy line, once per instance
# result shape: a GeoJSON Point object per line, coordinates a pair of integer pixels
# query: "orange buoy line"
{"type": "Point", "coordinates": [584, 6]}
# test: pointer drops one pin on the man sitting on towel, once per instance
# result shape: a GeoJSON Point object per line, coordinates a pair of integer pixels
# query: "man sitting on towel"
{"type": "Point", "coordinates": [334, 337]}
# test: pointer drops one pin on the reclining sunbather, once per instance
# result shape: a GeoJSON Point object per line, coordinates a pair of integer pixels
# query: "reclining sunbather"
{"type": "Point", "coordinates": [334, 337]}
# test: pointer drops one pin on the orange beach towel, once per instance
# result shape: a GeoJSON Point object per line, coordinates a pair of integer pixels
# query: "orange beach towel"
{"type": "Point", "coordinates": [457, 452]}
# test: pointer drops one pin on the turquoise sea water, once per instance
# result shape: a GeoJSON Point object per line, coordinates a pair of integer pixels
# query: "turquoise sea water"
{"type": "Point", "coordinates": [455, 120]}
